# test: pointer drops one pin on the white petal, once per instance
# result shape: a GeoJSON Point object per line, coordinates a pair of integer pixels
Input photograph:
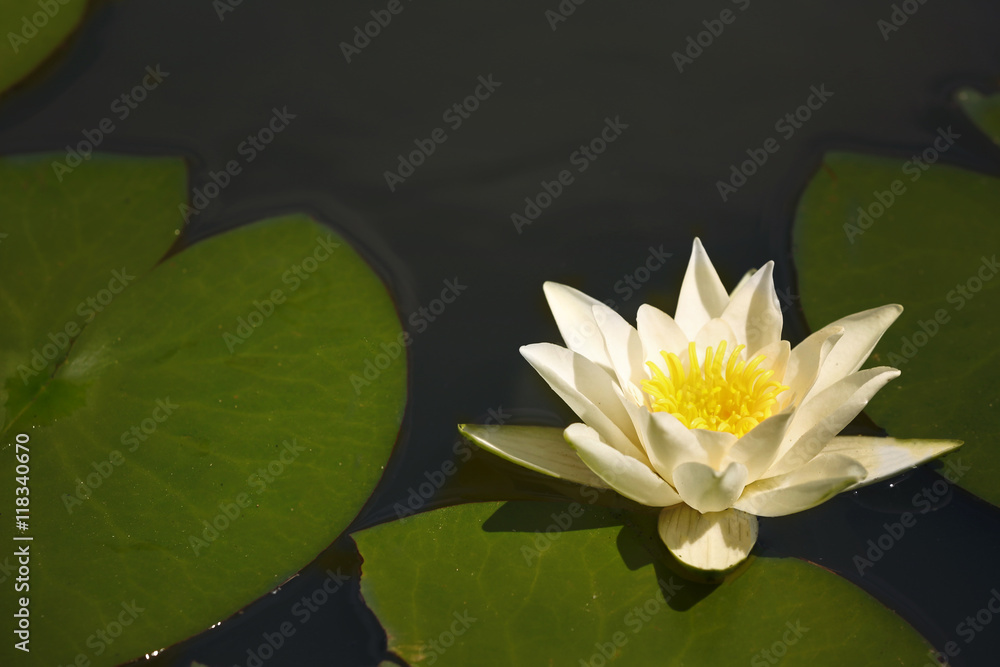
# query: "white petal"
{"type": "Point", "coordinates": [886, 457]}
{"type": "Point", "coordinates": [588, 391]}
{"type": "Point", "coordinates": [702, 294]}
{"type": "Point", "coordinates": [667, 442]}
{"type": "Point", "coordinates": [622, 473]}
{"type": "Point", "coordinates": [573, 312]}
{"type": "Point", "coordinates": [861, 332]}
{"type": "Point", "coordinates": [775, 358]}
{"type": "Point", "coordinates": [805, 487]}
{"type": "Point", "coordinates": [539, 448]}
{"type": "Point", "coordinates": [805, 361]}
{"type": "Point", "coordinates": [759, 447]}
{"type": "Point", "coordinates": [624, 349]}
{"type": "Point", "coordinates": [822, 417]}
{"type": "Point", "coordinates": [710, 335]}
{"type": "Point", "coordinates": [716, 541]}
{"type": "Point", "coordinates": [708, 490]}
{"type": "Point", "coordinates": [658, 332]}
{"type": "Point", "coordinates": [715, 445]}
{"type": "Point", "coordinates": [754, 312]}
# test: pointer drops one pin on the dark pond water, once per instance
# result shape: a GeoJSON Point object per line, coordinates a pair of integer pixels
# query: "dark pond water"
{"type": "Point", "coordinates": [550, 91]}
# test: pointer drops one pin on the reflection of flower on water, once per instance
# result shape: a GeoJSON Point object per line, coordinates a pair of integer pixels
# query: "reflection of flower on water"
{"type": "Point", "coordinates": [709, 414]}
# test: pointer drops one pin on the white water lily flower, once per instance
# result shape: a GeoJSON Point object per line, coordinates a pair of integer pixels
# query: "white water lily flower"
{"type": "Point", "coordinates": [709, 414]}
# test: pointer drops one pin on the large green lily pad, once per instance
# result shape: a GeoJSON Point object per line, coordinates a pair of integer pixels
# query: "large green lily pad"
{"type": "Point", "coordinates": [31, 30]}
{"type": "Point", "coordinates": [933, 246]}
{"type": "Point", "coordinates": [566, 585]}
{"type": "Point", "coordinates": [194, 436]}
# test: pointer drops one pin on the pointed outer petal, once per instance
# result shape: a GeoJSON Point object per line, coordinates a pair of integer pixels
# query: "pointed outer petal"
{"type": "Point", "coordinates": [667, 441]}
{"type": "Point", "coordinates": [861, 332]}
{"type": "Point", "coordinates": [702, 294]}
{"type": "Point", "coordinates": [658, 332]}
{"type": "Point", "coordinates": [754, 312]}
{"type": "Point", "coordinates": [886, 457]}
{"type": "Point", "coordinates": [742, 282]}
{"type": "Point", "coordinates": [708, 490]}
{"type": "Point", "coordinates": [715, 331]}
{"type": "Point", "coordinates": [715, 541]}
{"type": "Point", "coordinates": [539, 448]}
{"type": "Point", "coordinates": [823, 416]}
{"type": "Point", "coordinates": [805, 487]}
{"type": "Point", "coordinates": [759, 447]}
{"type": "Point", "coordinates": [805, 361]}
{"type": "Point", "coordinates": [635, 413]}
{"type": "Point", "coordinates": [573, 312]}
{"type": "Point", "coordinates": [624, 474]}
{"type": "Point", "coordinates": [715, 446]}
{"type": "Point", "coordinates": [624, 349]}
{"type": "Point", "coordinates": [776, 358]}
{"type": "Point", "coordinates": [588, 391]}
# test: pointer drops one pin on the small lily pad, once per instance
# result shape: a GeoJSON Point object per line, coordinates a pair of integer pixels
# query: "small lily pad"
{"type": "Point", "coordinates": [527, 583]}
{"type": "Point", "coordinates": [193, 436]}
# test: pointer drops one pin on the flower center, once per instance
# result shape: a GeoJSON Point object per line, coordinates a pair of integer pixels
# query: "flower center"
{"type": "Point", "coordinates": [733, 399]}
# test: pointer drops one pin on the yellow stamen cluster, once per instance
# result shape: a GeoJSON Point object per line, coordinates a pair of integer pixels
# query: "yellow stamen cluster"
{"type": "Point", "coordinates": [733, 401]}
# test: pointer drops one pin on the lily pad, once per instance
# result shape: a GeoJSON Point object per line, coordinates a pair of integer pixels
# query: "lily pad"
{"type": "Point", "coordinates": [527, 583]}
{"type": "Point", "coordinates": [873, 230]}
{"type": "Point", "coordinates": [32, 30]}
{"type": "Point", "coordinates": [193, 435]}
